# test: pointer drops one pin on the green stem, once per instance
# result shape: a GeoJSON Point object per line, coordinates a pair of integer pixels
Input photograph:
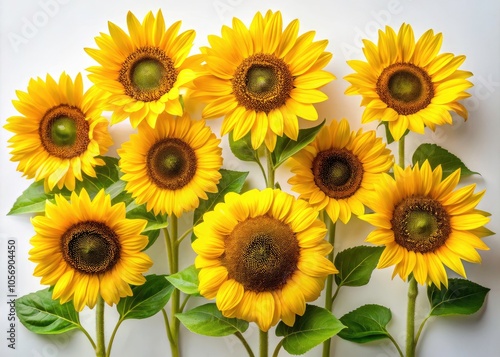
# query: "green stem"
{"type": "Point", "coordinates": [173, 248]}
{"type": "Point", "coordinates": [263, 343]}
{"type": "Point", "coordinates": [270, 169]}
{"type": "Point", "coordinates": [167, 326]}
{"type": "Point", "coordinates": [277, 349]}
{"type": "Point", "coordinates": [100, 350]}
{"type": "Point", "coordinates": [261, 168]}
{"type": "Point", "coordinates": [417, 337]}
{"type": "Point", "coordinates": [410, 317]}
{"type": "Point", "coordinates": [184, 235]}
{"type": "Point", "coordinates": [401, 152]}
{"type": "Point", "coordinates": [91, 340]}
{"type": "Point", "coordinates": [329, 280]}
{"type": "Point", "coordinates": [396, 344]}
{"type": "Point", "coordinates": [245, 343]}
{"type": "Point", "coordinates": [110, 343]}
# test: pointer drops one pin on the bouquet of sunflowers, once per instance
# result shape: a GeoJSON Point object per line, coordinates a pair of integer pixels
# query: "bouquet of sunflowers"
{"type": "Point", "coordinates": [263, 255]}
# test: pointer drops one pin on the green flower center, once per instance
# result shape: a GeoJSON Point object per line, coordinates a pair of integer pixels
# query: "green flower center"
{"type": "Point", "coordinates": [64, 131]}
{"type": "Point", "coordinates": [337, 172]}
{"type": "Point", "coordinates": [420, 224]}
{"type": "Point", "coordinates": [262, 82]}
{"type": "Point", "coordinates": [406, 88]}
{"type": "Point", "coordinates": [147, 74]}
{"type": "Point", "coordinates": [261, 254]}
{"type": "Point", "coordinates": [261, 79]}
{"type": "Point", "coordinates": [90, 247]}
{"type": "Point", "coordinates": [171, 163]}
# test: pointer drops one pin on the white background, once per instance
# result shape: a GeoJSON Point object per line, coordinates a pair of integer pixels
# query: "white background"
{"type": "Point", "coordinates": [48, 36]}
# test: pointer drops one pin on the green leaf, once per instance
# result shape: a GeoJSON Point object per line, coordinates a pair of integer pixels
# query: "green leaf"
{"type": "Point", "coordinates": [33, 199]}
{"type": "Point", "coordinates": [186, 280]}
{"type": "Point", "coordinates": [208, 320]}
{"type": "Point", "coordinates": [463, 297]}
{"type": "Point", "coordinates": [365, 324]}
{"type": "Point", "coordinates": [147, 299]}
{"type": "Point", "coordinates": [356, 265]}
{"type": "Point", "coordinates": [231, 181]}
{"type": "Point", "coordinates": [135, 211]}
{"type": "Point", "coordinates": [152, 237]}
{"type": "Point", "coordinates": [286, 147]}
{"type": "Point", "coordinates": [40, 314]}
{"type": "Point", "coordinates": [436, 155]}
{"type": "Point", "coordinates": [314, 327]}
{"type": "Point", "coordinates": [243, 149]}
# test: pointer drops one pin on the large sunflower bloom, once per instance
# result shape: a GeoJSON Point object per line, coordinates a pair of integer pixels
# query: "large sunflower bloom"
{"type": "Point", "coordinates": [426, 224]}
{"type": "Point", "coordinates": [407, 84]}
{"type": "Point", "coordinates": [60, 131]}
{"type": "Point", "coordinates": [260, 79]}
{"type": "Point", "coordinates": [143, 71]}
{"type": "Point", "coordinates": [262, 256]}
{"type": "Point", "coordinates": [338, 168]}
{"type": "Point", "coordinates": [172, 166]}
{"type": "Point", "coordinates": [87, 248]}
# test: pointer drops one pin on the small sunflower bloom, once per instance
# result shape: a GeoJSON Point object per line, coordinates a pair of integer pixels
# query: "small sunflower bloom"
{"type": "Point", "coordinates": [173, 166]}
{"type": "Point", "coordinates": [407, 84]}
{"type": "Point", "coordinates": [338, 169]}
{"type": "Point", "coordinates": [143, 71]}
{"type": "Point", "coordinates": [426, 223]}
{"type": "Point", "coordinates": [260, 79]}
{"type": "Point", "coordinates": [86, 248]}
{"type": "Point", "coordinates": [60, 132]}
{"type": "Point", "coordinates": [261, 255]}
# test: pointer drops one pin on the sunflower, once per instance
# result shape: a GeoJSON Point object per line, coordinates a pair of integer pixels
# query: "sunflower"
{"type": "Point", "coordinates": [336, 171]}
{"type": "Point", "coordinates": [262, 78]}
{"type": "Point", "coordinates": [60, 131]}
{"type": "Point", "coordinates": [408, 85]}
{"type": "Point", "coordinates": [87, 248]}
{"type": "Point", "coordinates": [172, 166]}
{"type": "Point", "coordinates": [426, 224]}
{"type": "Point", "coordinates": [144, 71]}
{"type": "Point", "coordinates": [262, 256]}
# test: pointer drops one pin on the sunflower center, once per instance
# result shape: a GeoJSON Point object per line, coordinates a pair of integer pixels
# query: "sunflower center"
{"type": "Point", "coordinates": [90, 247]}
{"type": "Point", "coordinates": [171, 163]}
{"type": "Point", "coordinates": [337, 172]}
{"type": "Point", "coordinates": [147, 74]}
{"type": "Point", "coordinates": [406, 88]}
{"type": "Point", "coordinates": [420, 224]}
{"type": "Point", "coordinates": [64, 131]}
{"type": "Point", "coordinates": [261, 254]}
{"type": "Point", "coordinates": [262, 82]}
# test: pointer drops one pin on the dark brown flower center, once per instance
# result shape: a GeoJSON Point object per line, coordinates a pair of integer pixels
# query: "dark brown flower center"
{"type": "Point", "coordinates": [90, 247]}
{"type": "Point", "coordinates": [406, 88]}
{"type": "Point", "coordinates": [171, 163]}
{"type": "Point", "coordinates": [337, 172]}
{"type": "Point", "coordinates": [262, 82]}
{"type": "Point", "coordinates": [147, 74]}
{"type": "Point", "coordinates": [420, 224]}
{"type": "Point", "coordinates": [64, 131]}
{"type": "Point", "coordinates": [261, 254]}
